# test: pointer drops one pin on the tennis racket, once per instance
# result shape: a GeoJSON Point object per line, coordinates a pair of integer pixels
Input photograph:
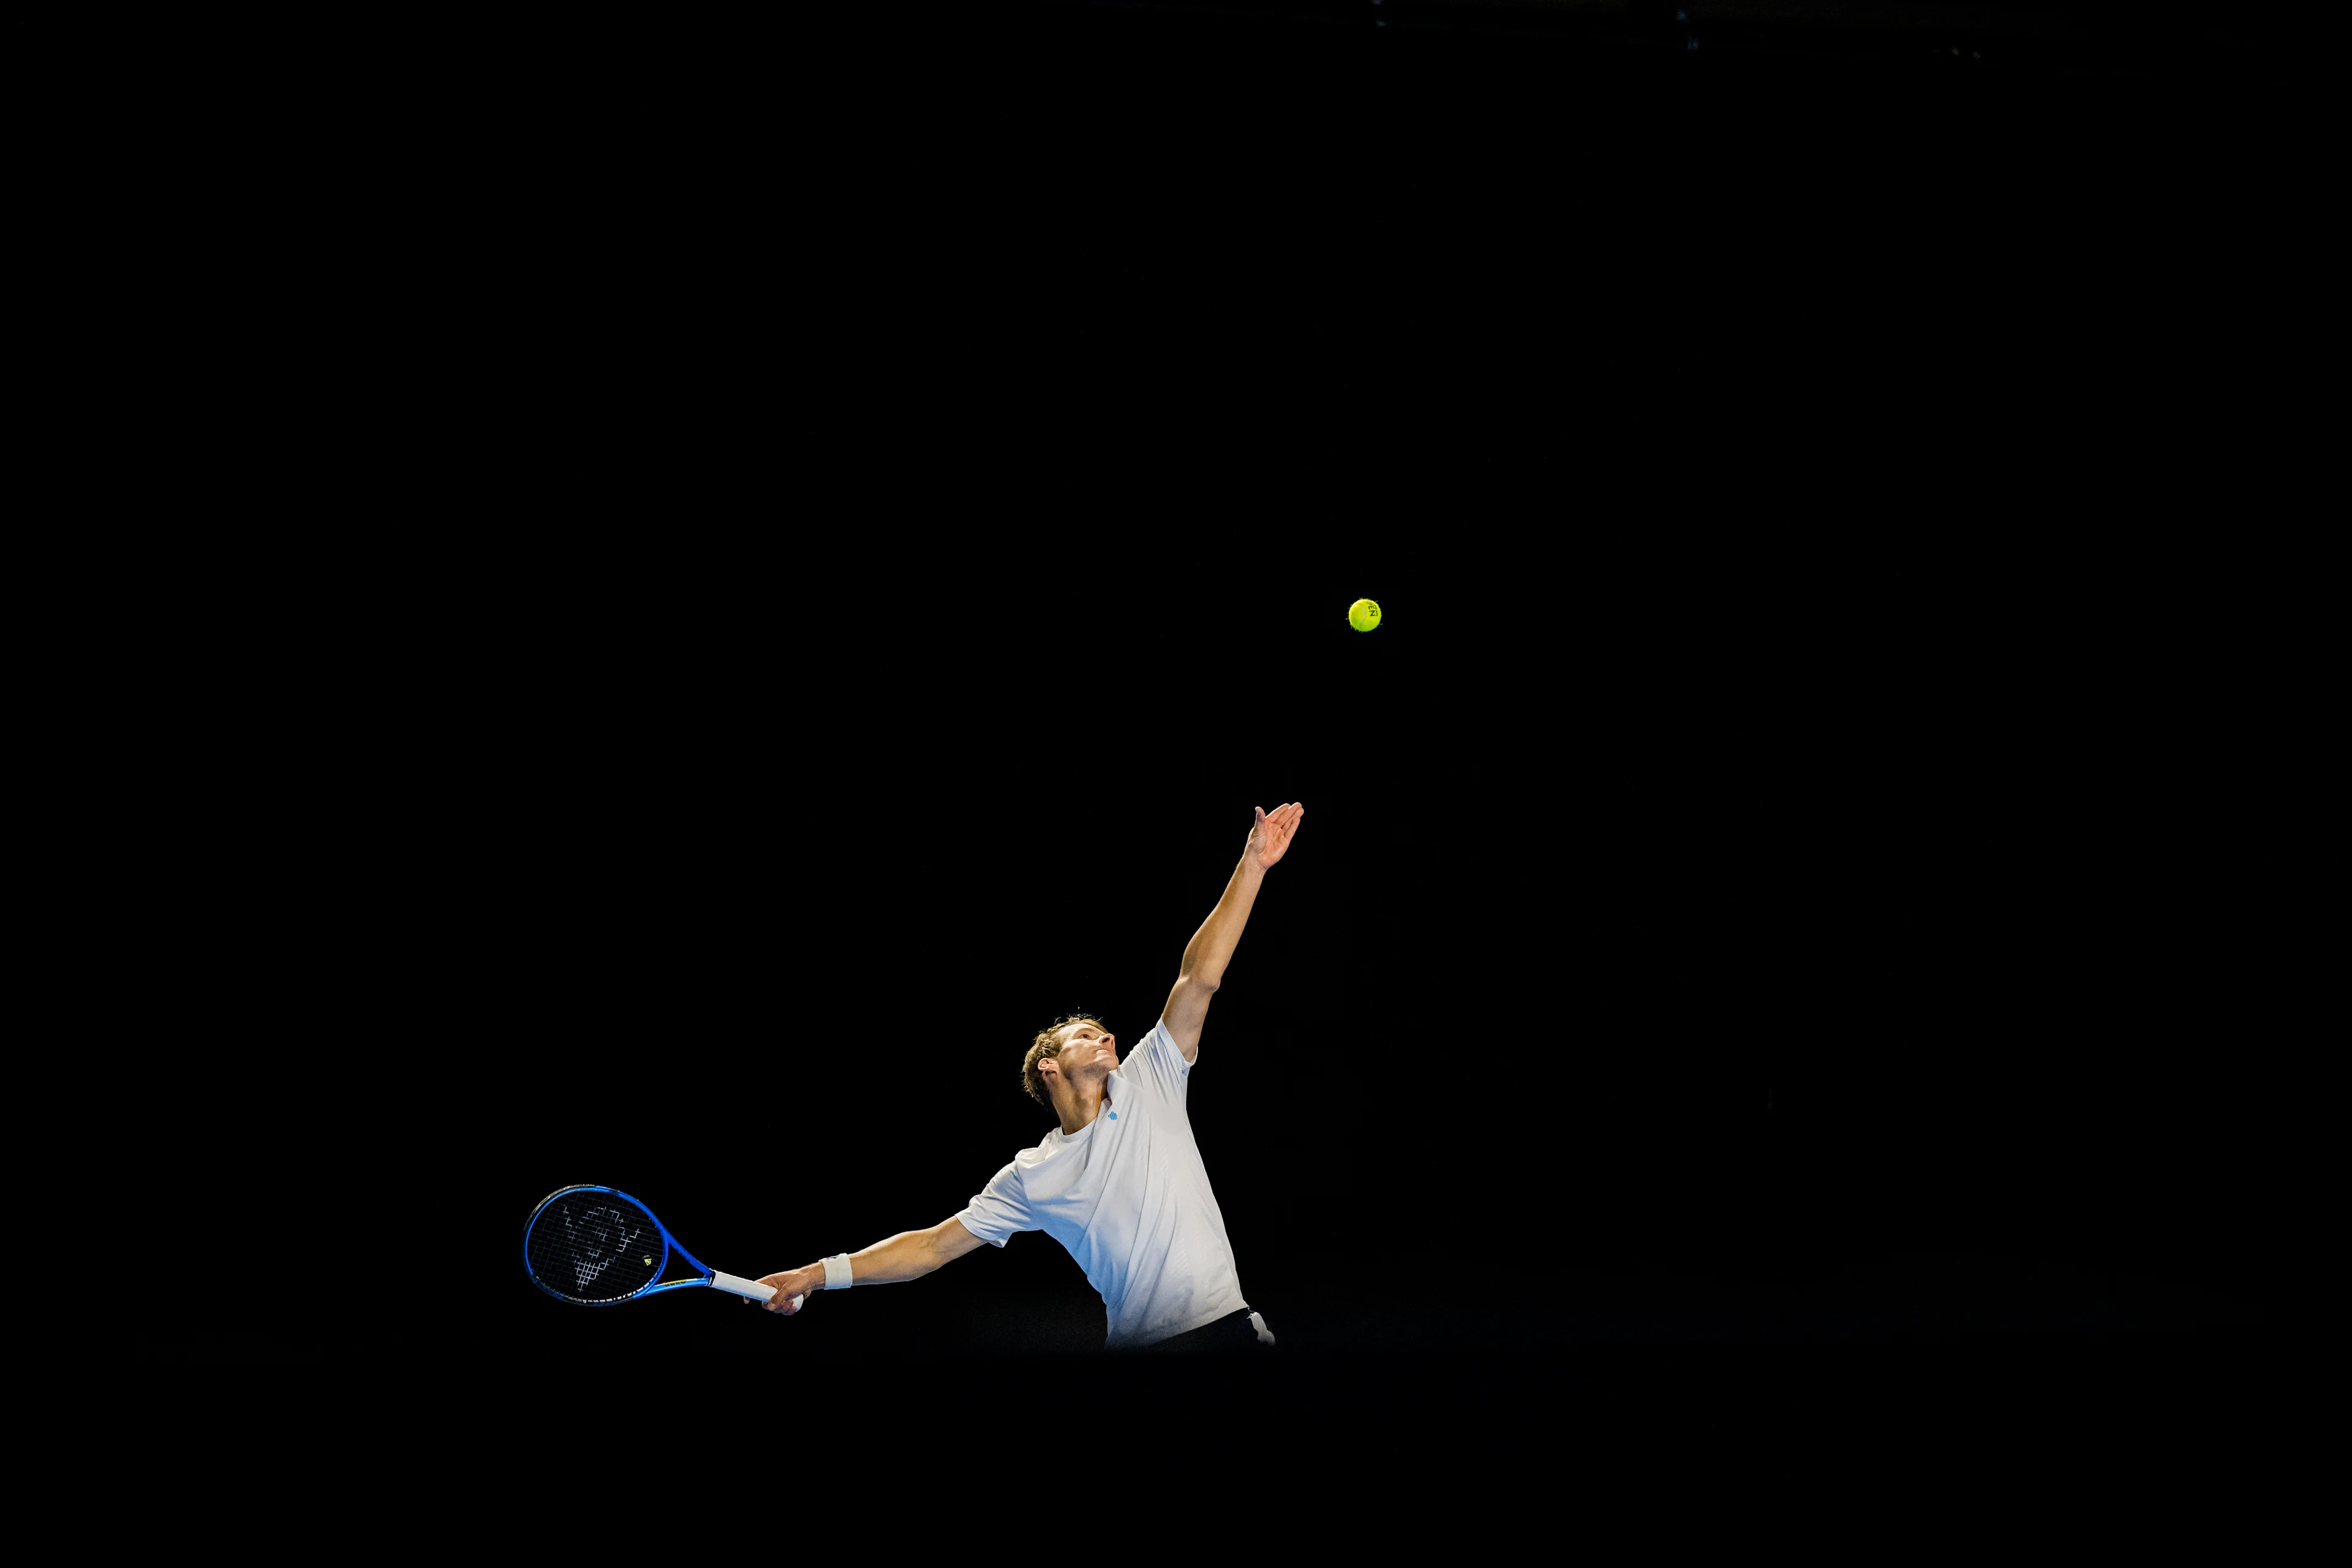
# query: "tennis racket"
{"type": "Point", "coordinates": [596, 1247]}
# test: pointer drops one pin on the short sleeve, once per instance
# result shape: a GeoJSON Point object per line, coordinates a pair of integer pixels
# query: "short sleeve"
{"type": "Point", "coordinates": [1157, 1067]}
{"type": "Point", "coordinates": [999, 1209]}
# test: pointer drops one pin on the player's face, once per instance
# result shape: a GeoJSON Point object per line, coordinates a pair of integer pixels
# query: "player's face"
{"type": "Point", "coordinates": [1086, 1048]}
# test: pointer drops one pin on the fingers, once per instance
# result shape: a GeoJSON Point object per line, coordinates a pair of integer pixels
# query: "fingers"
{"type": "Point", "coordinates": [1272, 830]}
{"type": "Point", "coordinates": [1277, 825]}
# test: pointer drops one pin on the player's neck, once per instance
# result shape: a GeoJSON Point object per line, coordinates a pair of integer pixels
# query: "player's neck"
{"type": "Point", "coordinates": [1080, 1109]}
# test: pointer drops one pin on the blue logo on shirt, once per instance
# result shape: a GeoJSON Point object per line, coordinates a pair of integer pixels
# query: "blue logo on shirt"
{"type": "Point", "coordinates": [1114, 1116]}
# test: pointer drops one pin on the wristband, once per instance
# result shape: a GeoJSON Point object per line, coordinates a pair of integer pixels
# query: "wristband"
{"type": "Point", "coordinates": [836, 1271]}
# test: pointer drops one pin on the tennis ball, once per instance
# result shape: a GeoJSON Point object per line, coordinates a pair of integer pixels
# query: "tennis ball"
{"type": "Point", "coordinates": [1363, 615]}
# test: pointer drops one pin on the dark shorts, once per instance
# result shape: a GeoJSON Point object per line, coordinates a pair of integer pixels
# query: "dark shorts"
{"type": "Point", "coordinates": [1232, 1335]}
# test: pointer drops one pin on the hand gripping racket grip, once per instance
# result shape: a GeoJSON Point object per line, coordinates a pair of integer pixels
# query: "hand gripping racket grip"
{"type": "Point", "coordinates": [750, 1289]}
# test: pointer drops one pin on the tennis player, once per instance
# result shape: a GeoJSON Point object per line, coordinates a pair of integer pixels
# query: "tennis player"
{"type": "Point", "coordinates": [1120, 1183]}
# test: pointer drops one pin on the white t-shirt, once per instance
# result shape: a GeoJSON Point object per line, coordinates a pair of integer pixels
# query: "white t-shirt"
{"type": "Point", "coordinates": [1130, 1199]}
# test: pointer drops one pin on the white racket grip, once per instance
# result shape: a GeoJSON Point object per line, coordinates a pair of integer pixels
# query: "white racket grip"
{"type": "Point", "coordinates": [722, 1280]}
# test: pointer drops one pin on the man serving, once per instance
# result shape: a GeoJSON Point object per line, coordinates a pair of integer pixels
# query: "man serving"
{"type": "Point", "coordinates": [1119, 1181]}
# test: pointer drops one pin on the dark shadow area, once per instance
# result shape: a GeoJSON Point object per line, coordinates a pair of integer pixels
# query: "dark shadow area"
{"type": "Point", "coordinates": [1788, 908]}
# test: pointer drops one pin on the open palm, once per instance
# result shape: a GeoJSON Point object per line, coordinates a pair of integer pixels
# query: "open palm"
{"type": "Point", "coordinates": [1270, 836]}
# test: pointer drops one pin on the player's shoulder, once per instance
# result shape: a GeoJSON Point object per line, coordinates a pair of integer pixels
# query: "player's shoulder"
{"type": "Point", "coordinates": [1163, 1039]}
{"type": "Point", "coordinates": [1156, 1056]}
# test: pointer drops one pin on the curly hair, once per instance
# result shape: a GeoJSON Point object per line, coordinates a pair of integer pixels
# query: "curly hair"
{"type": "Point", "coordinates": [1032, 1082]}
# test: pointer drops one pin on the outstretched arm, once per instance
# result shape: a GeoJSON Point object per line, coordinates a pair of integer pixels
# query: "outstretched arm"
{"type": "Point", "coordinates": [909, 1255]}
{"type": "Point", "coordinates": [1211, 947]}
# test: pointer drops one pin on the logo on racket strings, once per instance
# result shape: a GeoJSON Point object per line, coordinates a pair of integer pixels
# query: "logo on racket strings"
{"type": "Point", "coordinates": [598, 1237]}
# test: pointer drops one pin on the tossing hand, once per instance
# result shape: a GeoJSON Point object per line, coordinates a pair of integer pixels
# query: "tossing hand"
{"type": "Point", "coordinates": [1270, 836]}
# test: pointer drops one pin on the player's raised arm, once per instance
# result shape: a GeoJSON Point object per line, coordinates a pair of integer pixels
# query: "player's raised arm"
{"type": "Point", "coordinates": [1211, 947]}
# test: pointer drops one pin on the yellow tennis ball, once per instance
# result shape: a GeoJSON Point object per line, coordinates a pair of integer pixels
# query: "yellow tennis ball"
{"type": "Point", "coordinates": [1363, 615]}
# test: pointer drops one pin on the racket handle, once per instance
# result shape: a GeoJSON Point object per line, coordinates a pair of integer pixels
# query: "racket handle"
{"type": "Point", "coordinates": [749, 1289]}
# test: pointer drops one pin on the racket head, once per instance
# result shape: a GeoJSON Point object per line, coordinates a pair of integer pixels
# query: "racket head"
{"type": "Point", "coordinates": [593, 1247]}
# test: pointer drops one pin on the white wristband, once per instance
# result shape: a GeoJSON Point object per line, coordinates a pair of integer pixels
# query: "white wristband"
{"type": "Point", "coordinates": [836, 1271]}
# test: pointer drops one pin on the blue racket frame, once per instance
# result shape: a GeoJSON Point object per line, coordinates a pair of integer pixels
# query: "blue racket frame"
{"type": "Point", "coordinates": [669, 1244]}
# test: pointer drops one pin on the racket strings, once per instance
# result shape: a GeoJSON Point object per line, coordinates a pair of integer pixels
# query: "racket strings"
{"type": "Point", "coordinates": [593, 1248]}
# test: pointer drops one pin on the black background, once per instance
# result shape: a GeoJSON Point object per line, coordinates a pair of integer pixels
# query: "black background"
{"type": "Point", "coordinates": [1709, 924]}
{"type": "Point", "coordinates": [1797, 862]}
